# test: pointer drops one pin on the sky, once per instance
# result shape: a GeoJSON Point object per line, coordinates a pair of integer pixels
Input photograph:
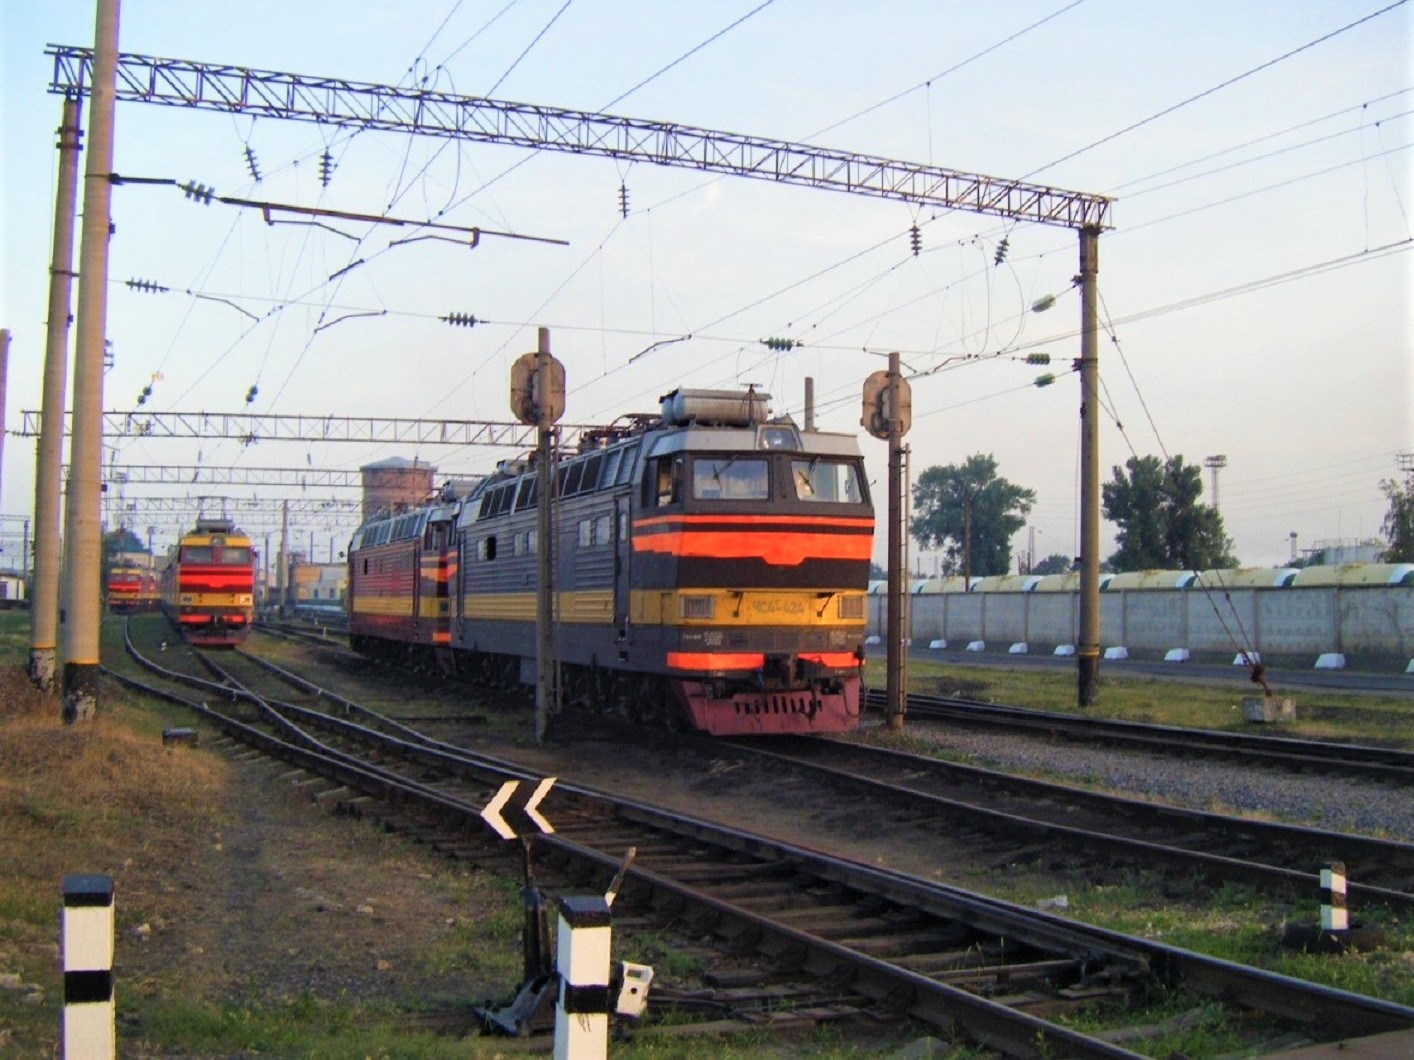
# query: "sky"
{"type": "Point", "coordinates": [1255, 287]}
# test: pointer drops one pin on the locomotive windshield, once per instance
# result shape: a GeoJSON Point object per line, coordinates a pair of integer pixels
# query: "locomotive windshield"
{"type": "Point", "coordinates": [730, 479]}
{"type": "Point", "coordinates": [826, 480]}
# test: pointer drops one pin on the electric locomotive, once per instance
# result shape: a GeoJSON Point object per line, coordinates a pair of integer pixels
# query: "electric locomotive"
{"type": "Point", "coordinates": [208, 586]}
{"type": "Point", "coordinates": [710, 569]}
{"type": "Point", "coordinates": [131, 587]}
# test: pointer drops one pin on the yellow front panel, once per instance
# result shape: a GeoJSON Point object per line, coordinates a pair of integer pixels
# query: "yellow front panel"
{"type": "Point", "coordinates": [754, 607]}
{"type": "Point", "coordinates": [217, 600]}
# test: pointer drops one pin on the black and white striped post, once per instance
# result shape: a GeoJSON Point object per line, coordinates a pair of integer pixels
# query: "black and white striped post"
{"type": "Point", "coordinates": [1334, 915]}
{"type": "Point", "coordinates": [582, 960]}
{"type": "Point", "coordinates": [87, 943]}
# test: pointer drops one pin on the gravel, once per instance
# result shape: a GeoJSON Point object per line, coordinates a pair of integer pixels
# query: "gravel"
{"type": "Point", "coordinates": [1333, 803]}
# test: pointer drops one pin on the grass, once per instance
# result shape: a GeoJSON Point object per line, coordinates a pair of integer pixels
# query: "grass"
{"type": "Point", "coordinates": [68, 798]}
{"type": "Point", "coordinates": [1320, 714]}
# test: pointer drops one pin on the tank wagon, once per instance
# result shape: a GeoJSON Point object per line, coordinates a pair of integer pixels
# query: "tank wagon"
{"type": "Point", "coordinates": [710, 571]}
{"type": "Point", "coordinates": [208, 585]}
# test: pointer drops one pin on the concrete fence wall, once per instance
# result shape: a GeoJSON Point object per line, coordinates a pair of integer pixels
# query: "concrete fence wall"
{"type": "Point", "coordinates": [1371, 620]}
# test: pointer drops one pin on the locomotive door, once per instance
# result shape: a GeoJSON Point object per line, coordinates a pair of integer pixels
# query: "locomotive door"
{"type": "Point", "coordinates": [622, 553]}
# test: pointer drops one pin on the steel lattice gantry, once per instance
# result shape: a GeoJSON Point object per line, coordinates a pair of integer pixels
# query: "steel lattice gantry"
{"type": "Point", "coordinates": [199, 475]}
{"type": "Point", "coordinates": [334, 101]}
{"type": "Point", "coordinates": [252, 427]}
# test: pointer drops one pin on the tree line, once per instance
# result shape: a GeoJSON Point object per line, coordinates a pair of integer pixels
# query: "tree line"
{"type": "Point", "coordinates": [969, 514]}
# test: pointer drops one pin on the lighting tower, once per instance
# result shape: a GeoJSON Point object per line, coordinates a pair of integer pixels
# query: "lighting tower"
{"type": "Point", "coordinates": [1215, 464]}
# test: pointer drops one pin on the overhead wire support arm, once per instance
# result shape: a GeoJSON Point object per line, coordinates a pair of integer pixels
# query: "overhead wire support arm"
{"type": "Point", "coordinates": [361, 105]}
{"type": "Point", "coordinates": [298, 428]}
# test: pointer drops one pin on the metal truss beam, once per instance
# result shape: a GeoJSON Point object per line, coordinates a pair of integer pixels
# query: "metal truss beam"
{"type": "Point", "coordinates": [250, 428]}
{"type": "Point", "coordinates": [199, 475]}
{"type": "Point", "coordinates": [233, 506]}
{"type": "Point", "coordinates": [355, 104]}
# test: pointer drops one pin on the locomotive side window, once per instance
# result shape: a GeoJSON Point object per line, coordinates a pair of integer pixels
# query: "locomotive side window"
{"type": "Point", "coordinates": [665, 481]}
{"type": "Point", "coordinates": [836, 481]}
{"type": "Point", "coordinates": [730, 479]}
{"type": "Point", "coordinates": [611, 466]}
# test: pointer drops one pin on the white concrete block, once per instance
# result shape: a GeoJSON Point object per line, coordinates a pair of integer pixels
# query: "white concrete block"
{"type": "Point", "coordinates": [1116, 653]}
{"type": "Point", "coordinates": [937, 645]}
{"type": "Point", "coordinates": [871, 641]}
{"type": "Point", "coordinates": [1177, 655]}
{"type": "Point", "coordinates": [1410, 668]}
{"type": "Point", "coordinates": [1064, 649]}
{"type": "Point", "coordinates": [1330, 660]}
{"type": "Point", "coordinates": [977, 645]}
{"type": "Point", "coordinates": [1019, 648]}
{"type": "Point", "coordinates": [1250, 658]}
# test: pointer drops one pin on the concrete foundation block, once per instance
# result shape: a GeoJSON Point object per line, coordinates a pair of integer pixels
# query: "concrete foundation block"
{"type": "Point", "coordinates": [871, 641]}
{"type": "Point", "coordinates": [1069, 649]}
{"type": "Point", "coordinates": [1116, 653]}
{"type": "Point", "coordinates": [977, 645]}
{"type": "Point", "coordinates": [1247, 659]}
{"type": "Point", "coordinates": [1330, 660]}
{"type": "Point", "coordinates": [1019, 648]}
{"type": "Point", "coordinates": [937, 645]}
{"type": "Point", "coordinates": [1179, 655]}
{"type": "Point", "coordinates": [1267, 708]}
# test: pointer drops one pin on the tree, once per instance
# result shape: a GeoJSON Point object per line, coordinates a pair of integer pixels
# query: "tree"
{"type": "Point", "coordinates": [1161, 523]}
{"type": "Point", "coordinates": [1399, 522]}
{"type": "Point", "coordinates": [1055, 563]}
{"type": "Point", "coordinates": [970, 514]}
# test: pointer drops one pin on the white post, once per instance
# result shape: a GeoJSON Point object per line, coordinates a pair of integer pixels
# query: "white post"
{"type": "Point", "coordinates": [582, 960]}
{"type": "Point", "coordinates": [88, 1029]}
{"type": "Point", "coordinates": [1334, 915]}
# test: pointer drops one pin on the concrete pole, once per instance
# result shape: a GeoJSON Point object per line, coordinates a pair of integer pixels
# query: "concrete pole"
{"type": "Point", "coordinates": [809, 403]}
{"type": "Point", "coordinates": [1088, 648]}
{"type": "Point", "coordinates": [4, 386]}
{"type": "Point", "coordinates": [49, 449]}
{"type": "Point", "coordinates": [283, 561]}
{"type": "Point", "coordinates": [82, 537]}
{"type": "Point", "coordinates": [545, 685]}
{"type": "Point", "coordinates": [896, 659]}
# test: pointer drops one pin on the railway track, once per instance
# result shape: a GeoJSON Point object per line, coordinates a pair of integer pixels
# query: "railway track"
{"type": "Point", "coordinates": [1089, 832]}
{"type": "Point", "coordinates": [795, 931]}
{"type": "Point", "coordinates": [1390, 765]}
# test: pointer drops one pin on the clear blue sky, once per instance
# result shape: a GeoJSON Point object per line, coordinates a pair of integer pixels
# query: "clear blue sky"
{"type": "Point", "coordinates": [1305, 385]}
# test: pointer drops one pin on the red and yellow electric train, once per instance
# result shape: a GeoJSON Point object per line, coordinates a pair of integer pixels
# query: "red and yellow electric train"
{"type": "Point", "coordinates": [208, 586]}
{"type": "Point", "coordinates": [710, 571]}
{"type": "Point", "coordinates": [132, 587]}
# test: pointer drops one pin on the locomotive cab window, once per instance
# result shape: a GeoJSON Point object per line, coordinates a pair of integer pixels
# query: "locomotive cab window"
{"type": "Point", "coordinates": [730, 479]}
{"type": "Point", "coordinates": [835, 481]}
{"type": "Point", "coordinates": [663, 482]}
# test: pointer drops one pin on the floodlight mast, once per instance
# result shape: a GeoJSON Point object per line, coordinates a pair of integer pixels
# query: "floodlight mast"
{"type": "Point", "coordinates": [361, 105]}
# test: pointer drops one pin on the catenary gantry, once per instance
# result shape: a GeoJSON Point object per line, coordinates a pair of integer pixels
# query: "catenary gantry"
{"type": "Point", "coordinates": [357, 104]}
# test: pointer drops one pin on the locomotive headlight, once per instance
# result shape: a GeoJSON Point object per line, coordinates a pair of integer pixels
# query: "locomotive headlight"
{"type": "Point", "coordinates": [701, 607]}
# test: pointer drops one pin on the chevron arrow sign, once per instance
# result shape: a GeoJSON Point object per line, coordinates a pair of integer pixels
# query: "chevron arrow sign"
{"type": "Point", "coordinates": [523, 808]}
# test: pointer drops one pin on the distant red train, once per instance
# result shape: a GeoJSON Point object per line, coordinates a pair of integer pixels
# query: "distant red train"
{"type": "Point", "coordinates": [132, 588]}
{"type": "Point", "coordinates": [208, 587]}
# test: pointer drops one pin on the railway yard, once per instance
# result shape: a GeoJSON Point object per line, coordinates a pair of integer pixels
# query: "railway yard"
{"type": "Point", "coordinates": [1005, 891]}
